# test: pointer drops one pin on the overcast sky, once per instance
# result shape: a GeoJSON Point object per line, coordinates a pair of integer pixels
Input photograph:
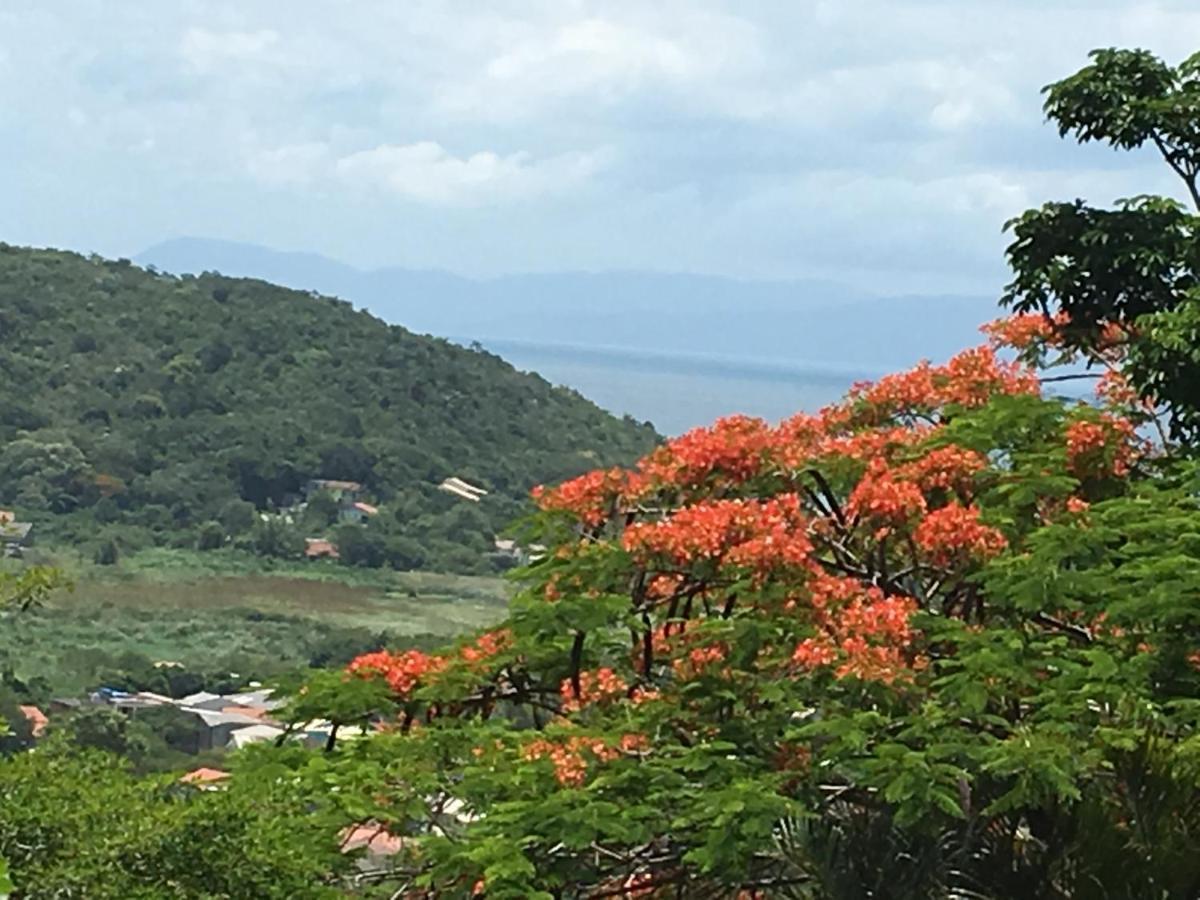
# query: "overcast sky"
{"type": "Point", "coordinates": [881, 143]}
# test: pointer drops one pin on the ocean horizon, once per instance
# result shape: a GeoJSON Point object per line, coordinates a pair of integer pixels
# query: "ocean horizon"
{"type": "Point", "coordinates": [676, 392]}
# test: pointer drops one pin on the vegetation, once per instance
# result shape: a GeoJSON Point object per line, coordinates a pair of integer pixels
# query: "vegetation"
{"type": "Point", "coordinates": [143, 410]}
{"type": "Point", "coordinates": [80, 824]}
{"type": "Point", "coordinates": [225, 619]}
{"type": "Point", "coordinates": [941, 639]}
{"type": "Point", "coordinates": [1090, 270]}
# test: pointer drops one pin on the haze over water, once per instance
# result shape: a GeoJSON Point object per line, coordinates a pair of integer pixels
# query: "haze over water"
{"type": "Point", "coordinates": [680, 392]}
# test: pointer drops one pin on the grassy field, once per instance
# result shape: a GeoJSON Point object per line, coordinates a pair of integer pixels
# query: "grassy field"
{"type": "Point", "coordinates": [213, 610]}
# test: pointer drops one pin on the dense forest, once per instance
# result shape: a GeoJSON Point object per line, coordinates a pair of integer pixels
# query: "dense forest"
{"type": "Point", "coordinates": [139, 408]}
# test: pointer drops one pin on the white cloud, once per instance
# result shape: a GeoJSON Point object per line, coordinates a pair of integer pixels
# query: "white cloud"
{"type": "Point", "coordinates": [603, 60]}
{"type": "Point", "coordinates": [428, 173]}
{"type": "Point", "coordinates": [290, 164]}
{"type": "Point", "coordinates": [206, 52]}
{"type": "Point", "coordinates": [768, 139]}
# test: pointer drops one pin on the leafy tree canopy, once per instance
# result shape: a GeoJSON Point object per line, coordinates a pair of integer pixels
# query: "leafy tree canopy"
{"type": "Point", "coordinates": [1125, 277]}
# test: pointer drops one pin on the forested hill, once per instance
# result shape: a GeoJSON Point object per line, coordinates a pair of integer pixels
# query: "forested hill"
{"type": "Point", "coordinates": [143, 407]}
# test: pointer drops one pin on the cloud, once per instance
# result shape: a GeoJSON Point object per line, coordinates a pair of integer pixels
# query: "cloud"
{"type": "Point", "coordinates": [206, 51]}
{"type": "Point", "coordinates": [426, 172]}
{"type": "Point", "coordinates": [289, 165]}
{"type": "Point", "coordinates": [880, 141]}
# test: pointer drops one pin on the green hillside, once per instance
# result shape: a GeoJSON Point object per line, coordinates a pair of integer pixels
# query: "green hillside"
{"type": "Point", "coordinates": [138, 408]}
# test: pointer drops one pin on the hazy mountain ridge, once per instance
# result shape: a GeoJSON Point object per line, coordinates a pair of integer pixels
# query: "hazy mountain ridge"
{"type": "Point", "coordinates": [816, 323]}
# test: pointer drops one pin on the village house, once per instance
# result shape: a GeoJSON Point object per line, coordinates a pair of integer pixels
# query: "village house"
{"type": "Point", "coordinates": [216, 718]}
{"type": "Point", "coordinates": [14, 535]}
{"type": "Point", "coordinates": [342, 491]}
{"type": "Point", "coordinates": [216, 728]}
{"type": "Point", "coordinates": [510, 549]}
{"type": "Point", "coordinates": [356, 513]}
{"type": "Point", "coordinates": [37, 720]}
{"type": "Point", "coordinates": [462, 489]}
{"type": "Point", "coordinates": [205, 778]}
{"type": "Point", "coordinates": [320, 548]}
{"type": "Point", "coordinates": [252, 734]}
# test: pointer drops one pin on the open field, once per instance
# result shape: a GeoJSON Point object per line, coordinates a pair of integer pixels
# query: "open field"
{"type": "Point", "coordinates": [222, 610]}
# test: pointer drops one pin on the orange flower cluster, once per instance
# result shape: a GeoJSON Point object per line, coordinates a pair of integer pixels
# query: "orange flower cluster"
{"type": "Point", "coordinates": [1024, 330]}
{"type": "Point", "coordinates": [882, 499]}
{"type": "Point", "coordinates": [876, 421]}
{"type": "Point", "coordinates": [973, 377]}
{"type": "Point", "coordinates": [948, 468]}
{"type": "Point", "coordinates": [954, 534]}
{"type": "Point", "coordinates": [758, 534]}
{"type": "Point", "coordinates": [599, 686]}
{"type": "Point", "coordinates": [865, 632]}
{"type": "Point", "coordinates": [697, 660]}
{"type": "Point", "coordinates": [402, 671]}
{"type": "Point", "coordinates": [969, 379]}
{"type": "Point", "coordinates": [900, 391]}
{"type": "Point", "coordinates": [1101, 448]}
{"type": "Point", "coordinates": [570, 756]}
{"type": "Point", "coordinates": [864, 446]}
{"type": "Point", "coordinates": [487, 645]}
{"type": "Point", "coordinates": [591, 497]}
{"type": "Point", "coordinates": [731, 449]}
{"type": "Point", "coordinates": [1115, 390]}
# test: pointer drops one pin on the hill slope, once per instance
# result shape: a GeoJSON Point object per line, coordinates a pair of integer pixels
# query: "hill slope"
{"type": "Point", "coordinates": [151, 405]}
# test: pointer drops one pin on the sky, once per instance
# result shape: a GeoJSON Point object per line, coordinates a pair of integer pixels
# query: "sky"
{"type": "Point", "coordinates": [882, 143]}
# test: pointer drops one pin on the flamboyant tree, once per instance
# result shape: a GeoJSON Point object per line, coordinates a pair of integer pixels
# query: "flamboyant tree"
{"type": "Point", "coordinates": [935, 638]}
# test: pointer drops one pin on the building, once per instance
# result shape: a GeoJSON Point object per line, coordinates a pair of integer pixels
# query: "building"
{"type": "Point", "coordinates": [215, 728]}
{"type": "Point", "coordinates": [14, 537]}
{"type": "Point", "coordinates": [462, 489]}
{"type": "Point", "coordinates": [319, 548]}
{"type": "Point", "coordinates": [342, 491]}
{"type": "Point", "coordinates": [356, 513]}
{"type": "Point", "coordinates": [252, 734]}
{"type": "Point", "coordinates": [204, 778]}
{"type": "Point", "coordinates": [203, 700]}
{"type": "Point", "coordinates": [37, 720]}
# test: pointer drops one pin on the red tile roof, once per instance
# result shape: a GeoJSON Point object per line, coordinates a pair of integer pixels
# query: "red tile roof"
{"type": "Point", "coordinates": [331, 484]}
{"type": "Point", "coordinates": [374, 837]}
{"type": "Point", "coordinates": [204, 775]}
{"type": "Point", "coordinates": [366, 508]}
{"type": "Point", "coordinates": [36, 718]}
{"type": "Point", "coordinates": [318, 547]}
{"type": "Point", "coordinates": [255, 712]}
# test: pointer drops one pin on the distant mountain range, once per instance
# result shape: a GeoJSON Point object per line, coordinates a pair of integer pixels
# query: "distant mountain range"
{"type": "Point", "coordinates": [802, 323]}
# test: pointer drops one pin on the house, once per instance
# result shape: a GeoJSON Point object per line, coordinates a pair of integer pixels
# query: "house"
{"type": "Point", "coordinates": [316, 733]}
{"type": "Point", "coordinates": [214, 728]}
{"type": "Point", "coordinates": [129, 703]}
{"type": "Point", "coordinates": [373, 838]}
{"type": "Point", "coordinates": [356, 513]}
{"type": "Point", "coordinates": [510, 549]}
{"type": "Point", "coordinates": [14, 537]}
{"type": "Point", "coordinates": [462, 490]}
{"type": "Point", "coordinates": [252, 734]}
{"type": "Point", "coordinates": [319, 548]}
{"type": "Point", "coordinates": [203, 700]}
{"type": "Point", "coordinates": [37, 720]}
{"type": "Point", "coordinates": [204, 778]}
{"type": "Point", "coordinates": [259, 698]}
{"type": "Point", "coordinates": [342, 491]}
